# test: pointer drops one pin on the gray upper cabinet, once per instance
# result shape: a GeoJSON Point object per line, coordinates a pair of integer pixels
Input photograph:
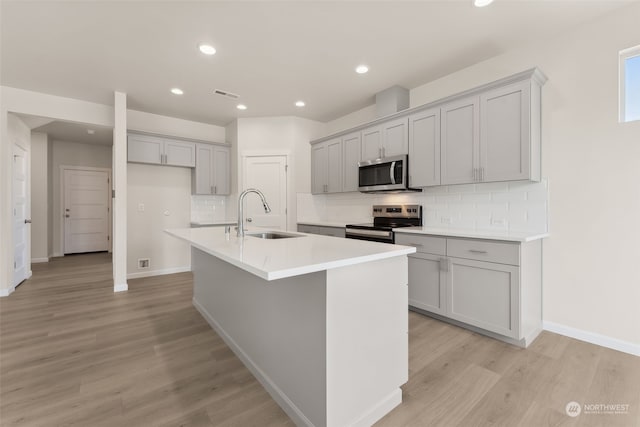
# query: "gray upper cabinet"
{"type": "Point", "coordinates": [351, 146]}
{"type": "Point", "coordinates": [386, 140]}
{"type": "Point", "coordinates": [505, 133]}
{"type": "Point", "coordinates": [326, 167]}
{"type": "Point", "coordinates": [371, 143]}
{"type": "Point", "coordinates": [424, 148]}
{"type": "Point", "coordinates": [395, 137]}
{"type": "Point", "coordinates": [486, 134]}
{"type": "Point", "coordinates": [460, 136]}
{"type": "Point", "coordinates": [212, 172]}
{"type": "Point", "coordinates": [160, 151]}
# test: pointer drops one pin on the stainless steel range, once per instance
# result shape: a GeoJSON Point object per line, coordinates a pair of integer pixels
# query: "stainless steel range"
{"type": "Point", "coordinates": [385, 219]}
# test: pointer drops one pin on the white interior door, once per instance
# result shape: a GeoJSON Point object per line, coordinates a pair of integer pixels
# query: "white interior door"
{"type": "Point", "coordinates": [269, 175]}
{"type": "Point", "coordinates": [86, 211]}
{"type": "Point", "coordinates": [21, 236]}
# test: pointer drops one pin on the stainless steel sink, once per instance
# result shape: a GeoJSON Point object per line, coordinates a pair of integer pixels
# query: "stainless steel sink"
{"type": "Point", "coordinates": [272, 235]}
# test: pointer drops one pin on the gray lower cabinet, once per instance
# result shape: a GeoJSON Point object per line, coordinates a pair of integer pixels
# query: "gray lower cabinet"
{"type": "Point", "coordinates": [494, 287]}
{"type": "Point", "coordinates": [322, 230]}
{"type": "Point", "coordinates": [427, 282]}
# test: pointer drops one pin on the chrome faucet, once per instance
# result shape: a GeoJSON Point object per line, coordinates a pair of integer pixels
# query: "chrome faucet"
{"type": "Point", "coordinates": [267, 209]}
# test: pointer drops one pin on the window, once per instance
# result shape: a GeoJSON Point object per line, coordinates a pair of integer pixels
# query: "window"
{"type": "Point", "coordinates": [630, 84]}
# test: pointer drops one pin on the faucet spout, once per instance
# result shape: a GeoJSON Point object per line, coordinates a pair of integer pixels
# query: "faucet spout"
{"type": "Point", "coordinates": [267, 209]}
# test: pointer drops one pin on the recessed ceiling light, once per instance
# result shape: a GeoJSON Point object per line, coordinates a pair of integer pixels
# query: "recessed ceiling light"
{"type": "Point", "coordinates": [91, 131]}
{"type": "Point", "coordinates": [300, 104]}
{"type": "Point", "coordinates": [241, 107]}
{"type": "Point", "coordinates": [361, 69]}
{"type": "Point", "coordinates": [177, 91]}
{"type": "Point", "coordinates": [207, 49]}
{"type": "Point", "coordinates": [482, 3]}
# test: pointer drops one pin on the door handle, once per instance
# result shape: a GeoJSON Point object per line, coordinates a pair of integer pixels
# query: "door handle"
{"type": "Point", "coordinates": [27, 221]}
{"type": "Point", "coordinates": [66, 210]}
{"type": "Point", "coordinates": [392, 173]}
{"type": "Point", "coordinates": [249, 220]}
{"type": "Point", "coordinates": [67, 216]}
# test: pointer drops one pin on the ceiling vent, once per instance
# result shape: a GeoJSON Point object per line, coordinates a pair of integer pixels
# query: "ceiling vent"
{"type": "Point", "coordinates": [225, 93]}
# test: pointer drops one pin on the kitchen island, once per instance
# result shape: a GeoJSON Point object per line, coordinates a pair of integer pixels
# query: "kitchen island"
{"type": "Point", "coordinates": [320, 321]}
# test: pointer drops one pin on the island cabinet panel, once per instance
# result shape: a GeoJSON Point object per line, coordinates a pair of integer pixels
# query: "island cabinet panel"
{"type": "Point", "coordinates": [484, 294]}
{"type": "Point", "coordinates": [459, 141]}
{"type": "Point", "coordinates": [505, 147]}
{"type": "Point", "coordinates": [424, 148]}
{"type": "Point", "coordinates": [212, 172]}
{"type": "Point", "coordinates": [351, 152]}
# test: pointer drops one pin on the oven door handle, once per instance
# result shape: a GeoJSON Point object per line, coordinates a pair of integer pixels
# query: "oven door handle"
{"type": "Point", "coordinates": [372, 233]}
{"type": "Point", "coordinates": [392, 173]}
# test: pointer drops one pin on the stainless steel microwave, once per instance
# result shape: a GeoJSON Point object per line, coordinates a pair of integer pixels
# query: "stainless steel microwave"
{"type": "Point", "coordinates": [386, 174]}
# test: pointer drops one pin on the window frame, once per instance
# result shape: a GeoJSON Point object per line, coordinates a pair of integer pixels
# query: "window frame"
{"type": "Point", "coordinates": [622, 57]}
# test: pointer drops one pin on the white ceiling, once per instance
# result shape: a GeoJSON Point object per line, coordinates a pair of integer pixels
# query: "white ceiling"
{"type": "Point", "coordinates": [271, 53]}
{"type": "Point", "coordinates": [68, 131]}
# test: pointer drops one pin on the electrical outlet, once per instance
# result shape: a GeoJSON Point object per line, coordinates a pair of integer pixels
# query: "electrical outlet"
{"type": "Point", "coordinates": [446, 220]}
{"type": "Point", "coordinates": [500, 222]}
{"type": "Point", "coordinates": [143, 263]}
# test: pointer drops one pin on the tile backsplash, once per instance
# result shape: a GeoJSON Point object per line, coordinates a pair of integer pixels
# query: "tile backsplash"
{"type": "Point", "coordinates": [208, 208]}
{"type": "Point", "coordinates": [505, 206]}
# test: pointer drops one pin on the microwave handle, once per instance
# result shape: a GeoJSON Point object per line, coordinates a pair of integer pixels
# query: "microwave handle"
{"type": "Point", "coordinates": [392, 172]}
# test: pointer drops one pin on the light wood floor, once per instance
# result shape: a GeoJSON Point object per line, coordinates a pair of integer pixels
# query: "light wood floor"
{"type": "Point", "coordinates": [74, 353]}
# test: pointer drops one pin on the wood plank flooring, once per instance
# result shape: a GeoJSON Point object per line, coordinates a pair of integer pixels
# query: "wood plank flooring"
{"type": "Point", "coordinates": [73, 353]}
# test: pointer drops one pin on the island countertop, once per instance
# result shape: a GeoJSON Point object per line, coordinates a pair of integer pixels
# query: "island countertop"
{"type": "Point", "coordinates": [273, 259]}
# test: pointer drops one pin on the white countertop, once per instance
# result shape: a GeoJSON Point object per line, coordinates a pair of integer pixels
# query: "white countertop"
{"type": "Point", "coordinates": [214, 223]}
{"type": "Point", "coordinates": [328, 223]}
{"type": "Point", "coordinates": [511, 236]}
{"type": "Point", "coordinates": [280, 258]}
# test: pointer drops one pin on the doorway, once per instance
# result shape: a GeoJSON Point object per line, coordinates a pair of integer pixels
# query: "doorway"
{"type": "Point", "coordinates": [269, 175]}
{"type": "Point", "coordinates": [87, 209]}
{"type": "Point", "coordinates": [21, 235]}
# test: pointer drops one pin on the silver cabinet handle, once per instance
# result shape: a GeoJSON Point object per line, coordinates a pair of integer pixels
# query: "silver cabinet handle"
{"type": "Point", "coordinates": [481, 174]}
{"type": "Point", "coordinates": [383, 152]}
{"type": "Point", "coordinates": [215, 189]}
{"type": "Point", "coordinates": [476, 251]}
{"type": "Point", "coordinates": [27, 221]}
{"type": "Point", "coordinates": [211, 190]}
{"type": "Point", "coordinates": [473, 172]}
{"type": "Point", "coordinates": [67, 216]}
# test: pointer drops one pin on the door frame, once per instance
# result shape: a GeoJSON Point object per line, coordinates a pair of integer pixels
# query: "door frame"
{"type": "Point", "coordinates": [290, 211]}
{"type": "Point", "coordinates": [62, 170]}
{"type": "Point", "coordinates": [27, 261]}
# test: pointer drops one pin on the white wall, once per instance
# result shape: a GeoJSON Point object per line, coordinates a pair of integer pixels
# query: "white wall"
{"type": "Point", "coordinates": [39, 197]}
{"type": "Point", "coordinates": [591, 270]}
{"type": "Point", "coordinates": [165, 192]}
{"type": "Point", "coordinates": [66, 153]}
{"type": "Point", "coordinates": [287, 135]}
{"type": "Point", "coordinates": [161, 188]}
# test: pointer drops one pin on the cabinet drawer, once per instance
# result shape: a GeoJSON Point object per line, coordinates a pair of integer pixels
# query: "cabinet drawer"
{"type": "Point", "coordinates": [424, 244]}
{"type": "Point", "coordinates": [482, 250]}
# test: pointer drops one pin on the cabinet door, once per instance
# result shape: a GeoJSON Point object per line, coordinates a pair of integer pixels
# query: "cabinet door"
{"type": "Point", "coordinates": [350, 158]}
{"type": "Point", "coordinates": [395, 137]}
{"type": "Point", "coordinates": [178, 153]}
{"type": "Point", "coordinates": [485, 295]}
{"type": "Point", "coordinates": [221, 170]}
{"type": "Point", "coordinates": [334, 166]}
{"type": "Point", "coordinates": [202, 174]}
{"type": "Point", "coordinates": [427, 280]}
{"type": "Point", "coordinates": [319, 168]}
{"type": "Point", "coordinates": [424, 148]}
{"type": "Point", "coordinates": [145, 149]}
{"type": "Point", "coordinates": [505, 133]}
{"type": "Point", "coordinates": [459, 141]}
{"type": "Point", "coordinates": [371, 143]}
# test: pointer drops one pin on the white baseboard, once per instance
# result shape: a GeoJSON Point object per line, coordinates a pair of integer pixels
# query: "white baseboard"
{"type": "Point", "coordinates": [276, 393]}
{"type": "Point", "coordinates": [7, 291]}
{"type": "Point", "coordinates": [57, 255]}
{"type": "Point", "coordinates": [593, 338]}
{"type": "Point", "coordinates": [120, 287]}
{"type": "Point", "coordinates": [158, 272]}
{"type": "Point", "coordinates": [37, 260]}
